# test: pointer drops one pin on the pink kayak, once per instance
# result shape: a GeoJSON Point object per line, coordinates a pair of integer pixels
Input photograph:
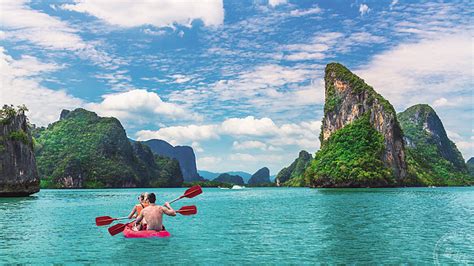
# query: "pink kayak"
{"type": "Point", "coordinates": [128, 232]}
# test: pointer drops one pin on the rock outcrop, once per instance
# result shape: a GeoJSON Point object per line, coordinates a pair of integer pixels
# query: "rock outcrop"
{"type": "Point", "coordinates": [184, 154]}
{"type": "Point", "coordinates": [347, 161]}
{"type": "Point", "coordinates": [83, 150]}
{"type": "Point", "coordinates": [432, 156]}
{"type": "Point", "coordinates": [348, 98]}
{"type": "Point", "coordinates": [18, 173]}
{"type": "Point", "coordinates": [231, 179]}
{"type": "Point", "coordinates": [294, 172]}
{"type": "Point", "coordinates": [262, 176]}
{"type": "Point", "coordinates": [470, 166]}
{"type": "Point", "coordinates": [211, 175]}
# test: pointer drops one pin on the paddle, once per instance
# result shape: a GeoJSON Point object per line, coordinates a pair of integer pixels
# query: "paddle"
{"type": "Point", "coordinates": [185, 210]}
{"type": "Point", "coordinates": [106, 220]}
{"type": "Point", "coordinates": [190, 193]}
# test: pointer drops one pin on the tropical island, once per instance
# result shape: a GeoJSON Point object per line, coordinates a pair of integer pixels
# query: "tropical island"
{"type": "Point", "coordinates": [364, 143]}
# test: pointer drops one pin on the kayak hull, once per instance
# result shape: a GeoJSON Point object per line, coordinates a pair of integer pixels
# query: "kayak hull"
{"type": "Point", "coordinates": [129, 233]}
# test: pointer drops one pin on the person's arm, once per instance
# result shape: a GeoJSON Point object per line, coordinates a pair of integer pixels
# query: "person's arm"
{"type": "Point", "coordinates": [168, 210]}
{"type": "Point", "coordinates": [133, 212]}
{"type": "Point", "coordinates": [139, 218]}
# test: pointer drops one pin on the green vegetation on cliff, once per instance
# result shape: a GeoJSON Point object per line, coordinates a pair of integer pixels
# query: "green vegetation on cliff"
{"type": "Point", "coordinates": [231, 179]}
{"type": "Point", "coordinates": [351, 157]}
{"type": "Point", "coordinates": [470, 166]}
{"type": "Point", "coordinates": [431, 156]}
{"type": "Point", "coordinates": [293, 175]}
{"type": "Point", "coordinates": [85, 150]}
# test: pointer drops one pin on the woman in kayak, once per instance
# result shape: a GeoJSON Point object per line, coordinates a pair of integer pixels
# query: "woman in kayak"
{"type": "Point", "coordinates": [137, 209]}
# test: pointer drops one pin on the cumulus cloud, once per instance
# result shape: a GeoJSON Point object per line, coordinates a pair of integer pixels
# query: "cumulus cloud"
{"type": "Point", "coordinates": [20, 81]}
{"type": "Point", "coordinates": [135, 104]}
{"type": "Point", "coordinates": [304, 134]}
{"type": "Point", "coordinates": [364, 9]}
{"type": "Point", "coordinates": [250, 144]}
{"type": "Point", "coordinates": [249, 126]}
{"type": "Point", "coordinates": [163, 13]}
{"type": "Point", "coordinates": [428, 70]}
{"type": "Point", "coordinates": [181, 134]}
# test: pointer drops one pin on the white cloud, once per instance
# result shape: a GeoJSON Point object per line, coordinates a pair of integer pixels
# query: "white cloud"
{"type": "Point", "coordinates": [250, 144]}
{"type": "Point", "coordinates": [452, 101]}
{"type": "Point", "coordinates": [364, 9]}
{"type": "Point", "coordinates": [429, 70]}
{"type": "Point", "coordinates": [208, 162]}
{"type": "Point", "coordinates": [179, 78]}
{"type": "Point", "coordinates": [154, 33]}
{"type": "Point", "coordinates": [464, 144]}
{"type": "Point", "coordinates": [21, 23]}
{"type": "Point", "coordinates": [37, 27]}
{"type": "Point", "coordinates": [164, 13]}
{"type": "Point", "coordinates": [304, 134]}
{"type": "Point", "coordinates": [393, 3]}
{"type": "Point", "coordinates": [265, 88]}
{"type": "Point", "coordinates": [466, 148]}
{"type": "Point", "coordinates": [309, 11]}
{"type": "Point", "coordinates": [20, 84]}
{"type": "Point", "coordinates": [136, 105]}
{"type": "Point", "coordinates": [273, 147]}
{"type": "Point", "coordinates": [454, 136]}
{"type": "Point", "coordinates": [275, 3]}
{"type": "Point", "coordinates": [249, 126]}
{"type": "Point", "coordinates": [179, 135]}
{"type": "Point", "coordinates": [324, 45]}
{"type": "Point", "coordinates": [197, 146]}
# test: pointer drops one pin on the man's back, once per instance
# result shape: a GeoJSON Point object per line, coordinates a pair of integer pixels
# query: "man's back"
{"type": "Point", "coordinates": [153, 216]}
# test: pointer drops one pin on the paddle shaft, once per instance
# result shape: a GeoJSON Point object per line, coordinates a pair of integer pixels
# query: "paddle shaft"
{"type": "Point", "coordinates": [176, 199]}
{"type": "Point", "coordinates": [121, 218]}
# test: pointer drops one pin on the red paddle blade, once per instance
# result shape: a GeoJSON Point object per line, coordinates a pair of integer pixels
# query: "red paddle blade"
{"type": "Point", "coordinates": [192, 192]}
{"type": "Point", "coordinates": [103, 220]}
{"type": "Point", "coordinates": [118, 228]}
{"type": "Point", "coordinates": [187, 210]}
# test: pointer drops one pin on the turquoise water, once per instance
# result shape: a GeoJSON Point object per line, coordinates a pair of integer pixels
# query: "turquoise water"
{"type": "Point", "coordinates": [255, 225]}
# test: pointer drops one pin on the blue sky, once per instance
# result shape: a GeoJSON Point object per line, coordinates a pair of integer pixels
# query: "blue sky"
{"type": "Point", "coordinates": [240, 81]}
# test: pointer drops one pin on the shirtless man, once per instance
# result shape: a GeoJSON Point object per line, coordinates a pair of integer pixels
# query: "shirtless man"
{"type": "Point", "coordinates": [153, 214]}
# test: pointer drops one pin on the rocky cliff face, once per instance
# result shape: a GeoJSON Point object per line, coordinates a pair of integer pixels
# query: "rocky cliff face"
{"type": "Point", "coordinates": [361, 140]}
{"type": "Point", "coordinates": [232, 179]}
{"type": "Point", "coordinates": [83, 150]}
{"type": "Point", "coordinates": [434, 158]}
{"type": "Point", "coordinates": [294, 171]}
{"type": "Point", "coordinates": [18, 173]}
{"type": "Point", "coordinates": [421, 123]}
{"type": "Point", "coordinates": [262, 176]}
{"type": "Point", "coordinates": [184, 154]}
{"type": "Point", "coordinates": [348, 98]}
{"type": "Point", "coordinates": [470, 166]}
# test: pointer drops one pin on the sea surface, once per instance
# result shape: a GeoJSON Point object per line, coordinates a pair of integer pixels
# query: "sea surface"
{"type": "Point", "coordinates": [248, 226]}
